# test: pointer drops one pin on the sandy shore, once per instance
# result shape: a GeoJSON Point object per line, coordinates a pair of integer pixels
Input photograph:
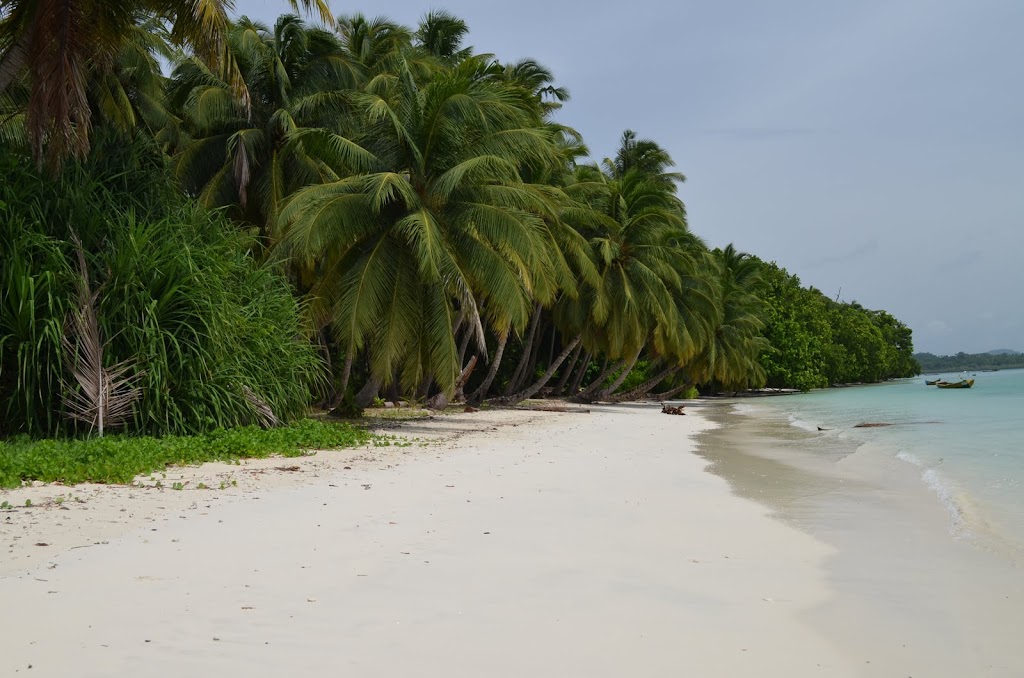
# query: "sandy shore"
{"type": "Point", "coordinates": [915, 592]}
{"type": "Point", "coordinates": [513, 544]}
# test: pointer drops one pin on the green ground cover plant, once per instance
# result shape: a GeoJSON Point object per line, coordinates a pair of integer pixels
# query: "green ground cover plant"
{"type": "Point", "coordinates": [119, 459]}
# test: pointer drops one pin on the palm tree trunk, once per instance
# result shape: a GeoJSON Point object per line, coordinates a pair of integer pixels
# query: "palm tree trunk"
{"type": "Point", "coordinates": [527, 350]}
{"type": "Point", "coordinates": [464, 377]}
{"type": "Point", "coordinates": [665, 395]}
{"type": "Point", "coordinates": [586, 395]}
{"type": "Point", "coordinates": [529, 346]}
{"type": "Point", "coordinates": [574, 387]}
{"type": "Point", "coordinates": [467, 335]}
{"type": "Point", "coordinates": [551, 344]}
{"type": "Point", "coordinates": [481, 392]}
{"type": "Point", "coordinates": [552, 368]}
{"type": "Point", "coordinates": [641, 390]}
{"type": "Point", "coordinates": [568, 370]}
{"type": "Point", "coordinates": [603, 395]}
{"type": "Point", "coordinates": [531, 364]}
{"type": "Point", "coordinates": [346, 372]}
{"type": "Point", "coordinates": [369, 391]}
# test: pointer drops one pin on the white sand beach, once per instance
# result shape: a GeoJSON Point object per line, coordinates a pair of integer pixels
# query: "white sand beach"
{"type": "Point", "coordinates": [533, 544]}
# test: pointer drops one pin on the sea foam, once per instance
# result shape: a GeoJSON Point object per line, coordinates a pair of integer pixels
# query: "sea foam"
{"type": "Point", "coordinates": [801, 424]}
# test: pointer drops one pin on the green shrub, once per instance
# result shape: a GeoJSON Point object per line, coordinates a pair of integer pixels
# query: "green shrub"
{"type": "Point", "coordinates": [179, 296]}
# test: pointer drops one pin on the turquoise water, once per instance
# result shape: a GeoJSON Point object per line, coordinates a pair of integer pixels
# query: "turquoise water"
{"type": "Point", "coordinates": [967, 445]}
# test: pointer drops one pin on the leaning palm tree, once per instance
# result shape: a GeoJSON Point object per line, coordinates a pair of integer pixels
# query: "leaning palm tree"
{"type": "Point", "coordinates": [731, 357]}
{"type": "Point", "coordinates": [58, 43]}
{"type": "Point", "coordinates": [437, 225]}
{"type": "Point", "coordinates": [655, 293]}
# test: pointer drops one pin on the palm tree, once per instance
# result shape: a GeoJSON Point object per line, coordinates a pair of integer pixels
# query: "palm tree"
{"type": "Point", "coordinates": [731, 358]}
{"type": "Point", "coordinates": [252, 158]}
{"type": "Point", "coordinates": [440, 226]}
{"type": "Point", "coordinates": [654, 291]}
{"type": "Point", "coordinates": [60, 44]}
{"type": "Point", "coordinates": [441, 35]}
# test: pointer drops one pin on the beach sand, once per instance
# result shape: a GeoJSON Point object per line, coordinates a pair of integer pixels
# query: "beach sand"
{"type": "Point", "coordinates": [513, 544]}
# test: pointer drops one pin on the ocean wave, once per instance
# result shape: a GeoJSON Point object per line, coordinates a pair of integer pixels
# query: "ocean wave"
{"type": "Point", "coordinates": [941, 488]}
{"type": "Point", "coordinates": [743, 408]}
{"type": "Point", "coordinates": [801, 424]}
{"type": "Point", "coordinates": [937, 484]}
{"type": "Point", "coordinates": [909, 458]}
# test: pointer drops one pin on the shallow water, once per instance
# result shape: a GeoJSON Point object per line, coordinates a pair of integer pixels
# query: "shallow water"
{"type": "Point", "coordinates": [966, 446]}
{"type": "Point", "coordinates": [925, 515]}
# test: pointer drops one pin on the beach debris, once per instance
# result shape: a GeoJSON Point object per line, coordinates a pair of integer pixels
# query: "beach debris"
{"type": "Point", "coordinates": [470, 408]}
{"type": "Point", "coordinates": [293, 467]}
{"type": "Point", "coordinates": [41, 543]}
{"type": "Point", "coordinates": [672, 409]}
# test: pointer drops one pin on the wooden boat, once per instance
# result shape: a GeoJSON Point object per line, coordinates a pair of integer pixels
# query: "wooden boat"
{"type": "Point", "coordinates": [963, 383]}
{"type": "Point", "coordinates": [933, 382]}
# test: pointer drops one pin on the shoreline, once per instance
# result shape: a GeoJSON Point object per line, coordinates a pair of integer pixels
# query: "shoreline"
{"type": "Point", "coordinates": [911, 596]}
{"type": "Point", "coordinates": [533, 544]}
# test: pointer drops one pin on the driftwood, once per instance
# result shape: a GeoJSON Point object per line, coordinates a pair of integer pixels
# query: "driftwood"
{"type": "Point", "coordinates": [672, 409]}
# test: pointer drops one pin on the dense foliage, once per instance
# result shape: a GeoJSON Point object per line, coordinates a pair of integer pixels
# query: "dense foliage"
{"type": "Point", "coordinates": [969, 361]}
{"type": "Point", "coordinates": [205, 332]}
{"type": "Point", "coordinates": [816, 341]}
{"type": "Point", "coordinates": [442, 235]}
{"type": "Point", "coordinates": [119, 459]}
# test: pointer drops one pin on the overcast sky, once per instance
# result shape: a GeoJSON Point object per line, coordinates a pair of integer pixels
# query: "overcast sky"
{"type": "Point", "coordinates": [873, 148]}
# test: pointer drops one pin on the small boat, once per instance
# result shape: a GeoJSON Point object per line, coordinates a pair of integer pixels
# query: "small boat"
{"type": "Point", "coordinates": [963, 383]}
{"type": "Point", "coordinates": [933, 382]}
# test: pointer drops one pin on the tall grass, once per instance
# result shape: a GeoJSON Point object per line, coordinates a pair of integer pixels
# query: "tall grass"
{"type": "Point", "coordinates": [215, 336]}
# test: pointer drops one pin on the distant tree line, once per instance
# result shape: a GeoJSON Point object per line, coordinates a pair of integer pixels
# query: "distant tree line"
{"type": "Point", "coordinates": [968, 361]}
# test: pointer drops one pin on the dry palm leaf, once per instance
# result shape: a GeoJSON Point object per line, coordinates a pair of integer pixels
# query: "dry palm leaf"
{"type": "Point", "coordinates": [102, 397]}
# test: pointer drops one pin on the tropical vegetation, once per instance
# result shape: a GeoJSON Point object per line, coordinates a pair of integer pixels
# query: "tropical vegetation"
{"type": "Point", "coordinates": [211, 222]}
{"type": "Point", "coordinates": [993, 360]}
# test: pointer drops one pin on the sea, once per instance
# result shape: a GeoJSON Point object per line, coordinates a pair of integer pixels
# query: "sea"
{"type": "Point", "coordinates": [966, 446]}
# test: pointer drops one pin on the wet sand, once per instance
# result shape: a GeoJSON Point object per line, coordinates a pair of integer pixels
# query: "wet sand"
{"type": "Point", "coordinates": [913, 593]}
{"type": "Point", "coordinates": [514, 544]}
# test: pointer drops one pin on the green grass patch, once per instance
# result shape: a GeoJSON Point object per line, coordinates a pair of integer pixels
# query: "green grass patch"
{"type": "Point", "coordinates": [119, 459]}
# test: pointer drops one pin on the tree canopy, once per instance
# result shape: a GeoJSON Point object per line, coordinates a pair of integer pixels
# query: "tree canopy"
{"type": "Point", "coordinates": [327, 210]}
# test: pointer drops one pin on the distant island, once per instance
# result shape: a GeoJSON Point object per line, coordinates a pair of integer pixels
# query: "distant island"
{"type": "Point", "coordinates": [1001, 358]}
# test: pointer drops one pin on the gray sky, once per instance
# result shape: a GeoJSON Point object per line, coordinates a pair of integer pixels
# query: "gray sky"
{"type": "Point", "coordinates": [872, 147]}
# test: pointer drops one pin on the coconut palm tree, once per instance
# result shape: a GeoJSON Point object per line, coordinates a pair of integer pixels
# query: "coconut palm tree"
{"type": "Point", "coordinates": [441, 35]}
{"type": "Point", "coordinates": [252, 157]}
{"type": "Point", "coordinates": [654, 291]}
{"type": "Point", "coordinates": [731, 357]}
{"type": "Point", "coordinates": [60, 43]}
{"type": "Point", "coordinates": [126, 96]}
{"type": "Point", "coordinates": [441, 225]}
